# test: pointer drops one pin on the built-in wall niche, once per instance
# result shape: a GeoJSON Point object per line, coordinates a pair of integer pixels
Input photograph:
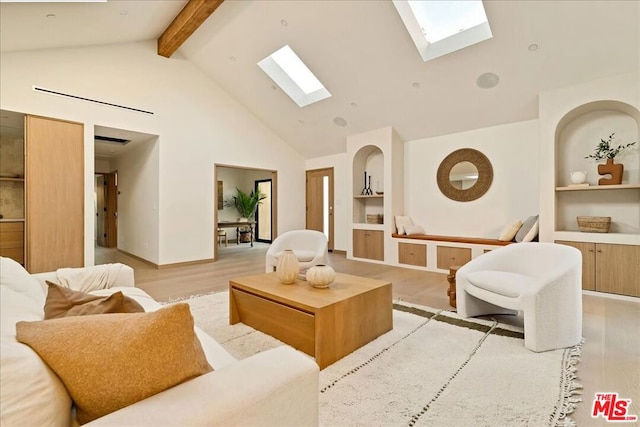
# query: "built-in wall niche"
{"type": "Point", "coordinates": [368, 184]}
{"type": "Point", "coordinates": [11, 165]}
{"type": "Point", "coordinates": [577, 135]}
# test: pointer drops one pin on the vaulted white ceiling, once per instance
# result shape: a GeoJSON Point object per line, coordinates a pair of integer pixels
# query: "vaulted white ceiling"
{"type": "Point", "coordinates": [364, 56]}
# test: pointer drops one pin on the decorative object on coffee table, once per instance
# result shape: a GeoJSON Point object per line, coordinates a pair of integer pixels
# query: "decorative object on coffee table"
{"type": "Point", "coordinates": [321, 276]}
{"type": "Point", "coordinates": [594, 224]}
{"type": "Point", "coordinates": [288, 267]}
{"type": "Point", "coordinates": [605, 150]}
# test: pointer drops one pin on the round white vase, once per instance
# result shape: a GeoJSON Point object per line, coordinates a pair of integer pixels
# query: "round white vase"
{"type": "Point", "coordinates": [578, 177]}
{"type": "Point", "coordinates": [288, 267]}
{"type": "Point", "coordinates": [321, 276]}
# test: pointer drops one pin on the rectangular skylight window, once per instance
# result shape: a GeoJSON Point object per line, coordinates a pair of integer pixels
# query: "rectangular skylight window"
{"type": "Point", "coordinates": [439, 27]}
{"type": "Point", "coordinates": [294, 77]}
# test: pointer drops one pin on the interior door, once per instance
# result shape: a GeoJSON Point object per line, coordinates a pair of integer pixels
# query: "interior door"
{"type": "Point", "coordinates": [319, 199]}
{"type": "Point", "coordinates": [111, 204]}
{"type": "Point", "coordinates": [264, 214]}
{"type": "Point", "coordinates": [101, 212]}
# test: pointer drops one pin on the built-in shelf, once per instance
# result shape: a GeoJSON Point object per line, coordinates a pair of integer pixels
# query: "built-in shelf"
{"type": "Point", "coordinates": [11, 219]}
{"type": "Point", "coordinates": [600, 187]}
{"type": "Point", "coordinates": [12, 179]}
{"type": "Point", "coordinates": [366, 226]}
{"type": "Point", "coordinates": [580, 236]}
{"type": "Point", "coordinates": [374, 196]}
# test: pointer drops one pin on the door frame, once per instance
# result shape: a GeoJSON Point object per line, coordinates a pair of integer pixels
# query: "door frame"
{"type": "Point", "coordinates": [257, 230]}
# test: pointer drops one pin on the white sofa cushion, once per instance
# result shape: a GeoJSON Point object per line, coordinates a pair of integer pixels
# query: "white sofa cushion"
{"type": "Point", "coordinates": [36, 399]}
{"type": "Point", "coordinates": [14, 276]}
{"type": "Point", "coordinates": [510, 285]}
{"type": "Point", "coordinates": [301, 254]}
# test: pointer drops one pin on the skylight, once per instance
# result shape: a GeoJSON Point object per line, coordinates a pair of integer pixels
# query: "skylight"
{"type": "Point", "coordinates": [439, 27]}
{"type": "Point", "coordinates": [294, 77]}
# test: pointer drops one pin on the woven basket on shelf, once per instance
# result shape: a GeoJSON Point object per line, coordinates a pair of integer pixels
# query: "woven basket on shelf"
{"type": "Point", "coordinates": [594, 224]}
{"type": "Point", "coordinates": [374, 219]}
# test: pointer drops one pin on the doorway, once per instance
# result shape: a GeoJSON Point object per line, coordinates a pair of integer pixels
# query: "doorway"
{"type": "Point", "coordinates": [319, 199]}
{"type": "Point", "coordinates": [264, 212]}
{"type": "Point", "coordinates": [106, 190]}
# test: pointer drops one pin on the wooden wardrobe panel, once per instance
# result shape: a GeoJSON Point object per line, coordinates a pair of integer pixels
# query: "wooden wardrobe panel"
{"type": "Point", "coordinates": [54, 180]}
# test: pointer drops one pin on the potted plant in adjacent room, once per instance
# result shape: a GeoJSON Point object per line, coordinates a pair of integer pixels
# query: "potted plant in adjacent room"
{"type": "Point", "coordinates": [606, 150]}
{"type": "Point", "coordinates": [246, 204]}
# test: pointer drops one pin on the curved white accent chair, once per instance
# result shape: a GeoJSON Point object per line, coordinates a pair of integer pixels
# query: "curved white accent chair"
{"type": "Point", "coordinates": [543, 280]}
{"type": "Point", "coordinates": [309, 246]}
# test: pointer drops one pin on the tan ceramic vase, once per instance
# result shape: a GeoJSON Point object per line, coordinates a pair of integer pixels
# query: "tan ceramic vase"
{"type": "Point", "coordinates": [321, 276]}
{"type": "Point", "coordinates": [613, 169]}
{"type": "Point", "coordinates": [288, 267]}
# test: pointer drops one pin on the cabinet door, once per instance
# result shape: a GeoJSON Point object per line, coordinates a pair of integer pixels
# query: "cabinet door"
{"type": "Point", "coordinates": [588, 251]}
{"type": "Point", "coordinates": [54, 193]}
{"type": "Point", "coordinates": [450, 256]}
{"type": "Point", "coordinates": [412, 254]}
{"type": "Point", "coordinates": [368, 244]}
{"type": "Point", "coordinates": [618, 269]}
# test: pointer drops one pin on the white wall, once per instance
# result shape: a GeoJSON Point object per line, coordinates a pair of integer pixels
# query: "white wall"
{"type": "Point", "coordinates": [512, 150]}
{"type": "Point", "coordinates": [197, 122]}
{"type": "Point", "coordinates": [102, 166]}
{"type": "Point", "coordinates": [341, 195]}
{"type": "Point", "coordinates": [138, 200]}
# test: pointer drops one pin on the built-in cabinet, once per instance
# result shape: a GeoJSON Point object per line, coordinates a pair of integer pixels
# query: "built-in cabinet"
{"type": "Point", "coordinates": [376, 184]}
{"type": "Point", "coordinates": [611, 260]}
{"type": "Point", "coordinates": [609, 268]}
{"type": "Point", "coordinates": [42, 191]}
{"type": "Point", "coordinates": [368, 244]}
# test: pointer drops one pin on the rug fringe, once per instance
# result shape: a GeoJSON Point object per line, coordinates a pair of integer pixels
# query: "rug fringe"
{"type": "Point", "coordinates": [571, 390]}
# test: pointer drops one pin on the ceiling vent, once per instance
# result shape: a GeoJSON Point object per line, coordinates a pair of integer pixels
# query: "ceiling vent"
{"type": "Point", "coordinates": [112, 140]}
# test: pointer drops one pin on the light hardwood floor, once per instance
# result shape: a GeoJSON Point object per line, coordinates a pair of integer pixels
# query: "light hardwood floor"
{"type": "Point", "coordinates": [610, 357]}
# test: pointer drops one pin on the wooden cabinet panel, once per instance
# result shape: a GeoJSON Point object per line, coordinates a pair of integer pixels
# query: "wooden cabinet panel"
{"type": "Point", "coordinates": [618, 269]}
{"type": "Point", "coordinates": [412, 254]}
{"type": "Point", "coordinates": [588, 262]}
{"type": "Point", "coordinates": [609, 268]}
{"type": "Point", "coordinates": [54, 193]}
{"type": "Point", "coordinates": [448, 256]}
{"type": "Point", "coordinates": [12, 240]}
{"type": "Point", "coordinates": [368, 244]}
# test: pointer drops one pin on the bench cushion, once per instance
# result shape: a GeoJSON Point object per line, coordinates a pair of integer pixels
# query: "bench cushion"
{"type": "Point", "coordinates": [503, 283]}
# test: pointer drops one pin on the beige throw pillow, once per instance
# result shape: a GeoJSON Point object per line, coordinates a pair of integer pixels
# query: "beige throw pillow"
{"type": "Point", "coordinates": [110, 361]}
{"type": "Point", "coordinates": [401, 222]}
{"type": "Point", "coordinates": [64, 302]}
{"type": "Point", "coordinates": [509, 231]}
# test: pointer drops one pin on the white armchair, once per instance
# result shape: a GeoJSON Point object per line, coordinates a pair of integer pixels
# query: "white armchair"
{"type": "Point", "coordinates": [309, 246]}
{"type": "Point", "coordinates": [543, 280]}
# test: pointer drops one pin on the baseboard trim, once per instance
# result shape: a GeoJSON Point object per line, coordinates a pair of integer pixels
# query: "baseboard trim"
{"type": "Point", "coordinates": [611, 296]}
{"type": "Point", "coordinates": [136, 257]}
{"type": "Point", "coordinates": [186, 263]}
{"type": "Point", "coordinates": [339, 252]}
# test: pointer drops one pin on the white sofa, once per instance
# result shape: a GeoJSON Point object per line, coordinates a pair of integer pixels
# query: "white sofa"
{"type": "Point", "coordinates": [278, 387]}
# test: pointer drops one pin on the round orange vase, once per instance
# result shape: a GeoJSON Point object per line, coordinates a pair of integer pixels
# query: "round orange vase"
{"type": "Point", "coordinates": [613, 169]}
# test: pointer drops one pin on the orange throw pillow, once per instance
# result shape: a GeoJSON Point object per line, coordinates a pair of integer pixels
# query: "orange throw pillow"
{"type": "Point", "coordinates": [110, 361]}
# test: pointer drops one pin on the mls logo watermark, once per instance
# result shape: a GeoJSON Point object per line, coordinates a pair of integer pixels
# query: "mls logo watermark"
{"type": "Point", "coordinates": [612, 408]}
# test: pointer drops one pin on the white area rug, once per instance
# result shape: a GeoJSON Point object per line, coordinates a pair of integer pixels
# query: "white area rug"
{"type": "Point", "coordinates": [427, 371]}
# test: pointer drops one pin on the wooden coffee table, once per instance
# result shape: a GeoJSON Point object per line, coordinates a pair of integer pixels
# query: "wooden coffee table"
{"type": "Point", "coordinates": [326, 323]}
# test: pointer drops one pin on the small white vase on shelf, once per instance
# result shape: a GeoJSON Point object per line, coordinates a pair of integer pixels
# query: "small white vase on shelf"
{"type": "Point", "coordinates": [321, 276]}
{"type": "Point", "coordinates": [288, 267]}
{"type": "Point", "coordinates": [578, 177]}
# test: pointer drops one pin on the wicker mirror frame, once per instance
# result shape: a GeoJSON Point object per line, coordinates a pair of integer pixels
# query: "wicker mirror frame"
{"type": "Point", "coordinates": [485, 175]}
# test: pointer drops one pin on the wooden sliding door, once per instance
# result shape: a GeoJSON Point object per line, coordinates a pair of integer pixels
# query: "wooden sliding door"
{"type": "Point", "coordinates": [54, 180]}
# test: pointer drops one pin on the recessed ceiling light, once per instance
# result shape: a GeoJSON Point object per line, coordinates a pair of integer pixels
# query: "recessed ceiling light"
{"type": "Point", "coordinates": [274, 87]}
{"type": "Point", "coordinates": [301, 122]}
{"type": "Point", "coordinates": [339, 121]}
{"type": "Point", "coordinates": [123, 12]}
{"type": "Point", "coordinates": [488, 80]}
{"type": "Point", "coordinates": [284, 23]}
{"type": "Point", "coordinates": [50, 15]}
{"type": "Point", "coordinates": [415, 84]}
{"type": "Point", "coordinates": [533, 46]}
{"type": "Point", "coordinates": [353, 104]}
{"type": "Point", "coordinates": [232, 58]}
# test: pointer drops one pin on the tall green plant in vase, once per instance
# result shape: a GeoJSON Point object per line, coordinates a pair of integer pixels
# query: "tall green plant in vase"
{"type": "Point", "coordinates": [246, 204]}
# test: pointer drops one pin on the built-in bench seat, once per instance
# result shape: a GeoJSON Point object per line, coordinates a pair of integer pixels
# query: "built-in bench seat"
{"type": "Point", "coordinates": [473, 240]}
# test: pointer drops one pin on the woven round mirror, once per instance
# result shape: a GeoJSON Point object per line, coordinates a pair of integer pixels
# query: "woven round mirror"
{"type": "Point", "coordinates": [465, 175]}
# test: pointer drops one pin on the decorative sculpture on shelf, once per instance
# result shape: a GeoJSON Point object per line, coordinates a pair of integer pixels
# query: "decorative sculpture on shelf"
{"type": "Point", "coordinates": [366, 191]}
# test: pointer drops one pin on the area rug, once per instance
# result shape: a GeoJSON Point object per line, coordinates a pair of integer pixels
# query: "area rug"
{"type": "Point", "coordinates": [432, 369]}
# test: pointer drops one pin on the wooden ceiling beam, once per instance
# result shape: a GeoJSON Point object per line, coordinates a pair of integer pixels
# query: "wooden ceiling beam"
{"type": "Point", "coordinates": [185, 23]}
